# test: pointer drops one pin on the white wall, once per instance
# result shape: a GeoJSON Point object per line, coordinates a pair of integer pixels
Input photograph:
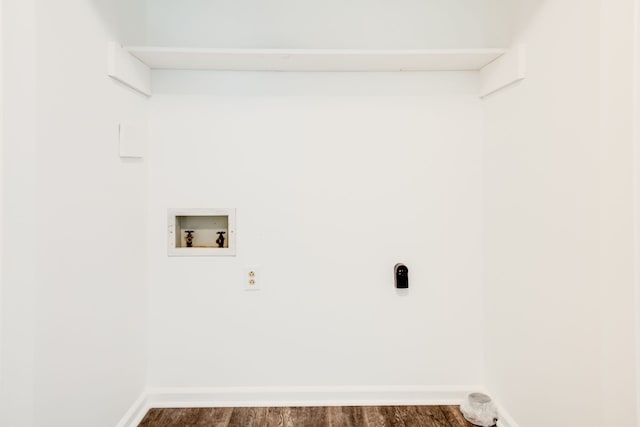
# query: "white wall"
{"type": "Point", "coordinates": [315, 165]}
{"type": "Point", "coordinates": [616, 165]}
{"type": "Point", "coordinates": [18, 273]}
{"type": "Point", "coordinates": [1, 186]}
{"type": "Point", "coordinates": [336, 177]}
{"type": "Point", "coordinates": [74, 287]}
{"type": "Point", "coordinates": [558, 220]}
{"type": "Point", "coordinates": [373, 24]}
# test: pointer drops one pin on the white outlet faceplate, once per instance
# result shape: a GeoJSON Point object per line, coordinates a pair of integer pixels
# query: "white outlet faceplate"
{"type": "Point", "coordinates": [251, 278]}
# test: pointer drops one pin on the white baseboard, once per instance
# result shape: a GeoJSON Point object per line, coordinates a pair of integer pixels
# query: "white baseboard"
{"type": "Point", "coordinates": [199, 397]}
{"type": "Point", "coordinates": [305, 396]}
{"type": "Point", "coordinates": [505, 420]}
{"type": "Point", "coordinates": [136, 412]}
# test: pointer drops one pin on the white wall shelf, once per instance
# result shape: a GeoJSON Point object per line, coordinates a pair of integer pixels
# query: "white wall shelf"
{"type": "Point", "coordinates": [314, 59]}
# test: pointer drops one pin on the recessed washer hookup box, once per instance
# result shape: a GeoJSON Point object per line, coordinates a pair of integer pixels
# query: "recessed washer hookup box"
{"type": "Point", "coordinates": [201, 232]}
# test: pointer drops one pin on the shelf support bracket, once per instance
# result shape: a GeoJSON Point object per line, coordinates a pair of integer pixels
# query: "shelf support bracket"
{"type": "Point", "coordinates": [128, 70]}
{"type": "Point", "coordinates": [505, 71]}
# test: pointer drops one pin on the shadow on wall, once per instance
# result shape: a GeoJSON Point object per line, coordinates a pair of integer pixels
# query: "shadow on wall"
{"type": "Point", "coordinates": [124, 20]}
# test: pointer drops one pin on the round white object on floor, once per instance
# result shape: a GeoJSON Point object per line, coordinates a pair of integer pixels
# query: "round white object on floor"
{"type": "Point", "coordinates": [479, 410]}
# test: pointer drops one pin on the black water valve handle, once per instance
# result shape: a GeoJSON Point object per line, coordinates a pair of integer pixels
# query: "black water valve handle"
{"type": "Point", "coordinates": [402, 276]}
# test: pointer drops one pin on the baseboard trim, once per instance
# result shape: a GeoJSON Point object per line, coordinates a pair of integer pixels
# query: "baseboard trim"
{"type": "Point", "coordinates": [505, 420]}
{"type": "Point", "coordinates": [305, 396]}
{"type": "Point", "coordinates": [136, 412]}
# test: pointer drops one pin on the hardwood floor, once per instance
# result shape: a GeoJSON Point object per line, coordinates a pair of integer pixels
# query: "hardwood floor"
{"type": "Point", "coordinates": [347, 416]}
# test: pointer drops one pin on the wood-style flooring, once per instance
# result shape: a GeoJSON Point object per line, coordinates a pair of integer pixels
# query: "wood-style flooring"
{"type": "Point", "coordinates": [343, 416]}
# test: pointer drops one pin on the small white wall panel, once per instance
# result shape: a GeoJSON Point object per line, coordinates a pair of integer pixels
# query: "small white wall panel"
{"type": "Point", "coordinates": [128, 70]}
{"type": "Point", "coordinates": [133, 139]}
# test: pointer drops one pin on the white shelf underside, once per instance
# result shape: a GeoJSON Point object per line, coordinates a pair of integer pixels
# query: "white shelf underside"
{"type": "Point", "coordinates": [315, 59]}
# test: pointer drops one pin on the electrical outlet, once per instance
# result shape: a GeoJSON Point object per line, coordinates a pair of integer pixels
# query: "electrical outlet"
{"type": "Point", "coordinates": [251, 278]}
